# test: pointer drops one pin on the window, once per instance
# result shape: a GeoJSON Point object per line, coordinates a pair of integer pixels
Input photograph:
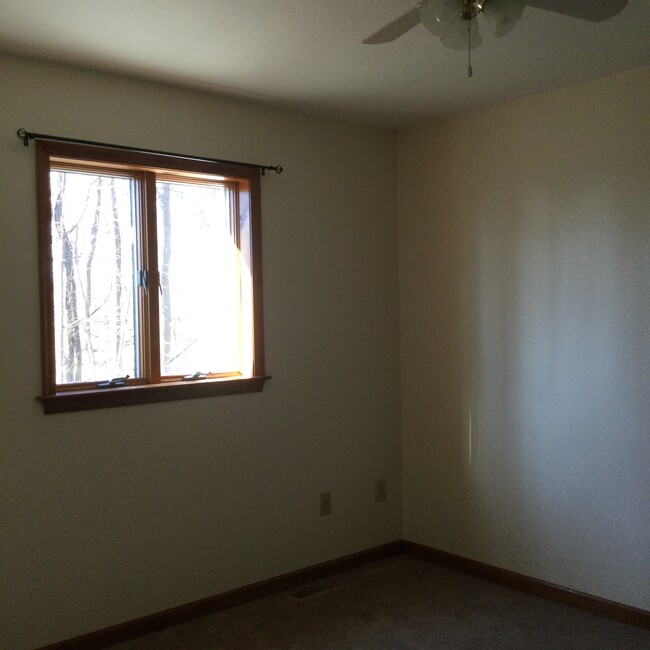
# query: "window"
{"type": "Point", "coordinates": [150, 277]}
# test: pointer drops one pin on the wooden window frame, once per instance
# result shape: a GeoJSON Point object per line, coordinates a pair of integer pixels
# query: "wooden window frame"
{"type": "Point", "coordinates": [152, 387]}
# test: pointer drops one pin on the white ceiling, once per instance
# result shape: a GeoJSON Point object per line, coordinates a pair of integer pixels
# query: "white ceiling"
{"type": "Point", "coordinates": [308, 55]}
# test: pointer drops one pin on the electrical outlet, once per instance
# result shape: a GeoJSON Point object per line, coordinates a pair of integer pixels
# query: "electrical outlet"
{"type": "Point", "coordinates": [381, 489]}
{"type": "Point", "coordinates": [326, 503]}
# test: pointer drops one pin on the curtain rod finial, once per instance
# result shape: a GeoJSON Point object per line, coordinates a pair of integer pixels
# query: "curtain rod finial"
{"type": "Point", "coordinates": [24, 136]}
{"type": "Point", "coordinates": [272, 168]}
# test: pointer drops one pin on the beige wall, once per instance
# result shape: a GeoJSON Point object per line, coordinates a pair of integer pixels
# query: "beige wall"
{"type": "Point", "coordinates": [525, 336]}
{"type": "Point", "coordinates": [110, 515]}
{"type": "Point", "coordinates": [525, 346]}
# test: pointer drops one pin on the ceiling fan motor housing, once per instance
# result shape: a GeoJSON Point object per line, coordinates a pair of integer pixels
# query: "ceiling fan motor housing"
{"type": "Point", "coordinates": [471, 8]}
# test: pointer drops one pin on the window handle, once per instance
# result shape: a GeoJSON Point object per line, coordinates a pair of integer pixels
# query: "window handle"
{"type": "Point", "coordinates": [197, 375]}
{"type": "Point", "coordinates": [143, 280]}
{"type": "Point", "coordinates": [116, 381]}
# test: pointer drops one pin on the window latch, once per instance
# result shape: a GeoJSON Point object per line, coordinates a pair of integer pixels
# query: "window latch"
{"type": "Point", "coordinates": [113, 383]}
{"type": "Point", "coordinates": [143, 280]}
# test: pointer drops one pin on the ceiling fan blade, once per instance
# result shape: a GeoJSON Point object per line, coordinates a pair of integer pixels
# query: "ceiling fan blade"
{"type": "Point", "coordinates": [395, 29]}
{"type": "Point", "coordinates": [503, 15]}
{"type": "Point", "coordinates": [593, 10]}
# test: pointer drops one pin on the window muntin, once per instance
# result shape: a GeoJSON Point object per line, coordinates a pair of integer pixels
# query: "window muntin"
{"type": "Point", "coordinates": [164, 277]}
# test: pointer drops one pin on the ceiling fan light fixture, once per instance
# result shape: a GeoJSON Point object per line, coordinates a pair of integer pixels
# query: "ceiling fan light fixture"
{"type": "Point", "coordinates": [436, 15]}
{"type": "Point", "coordinates": [449, 20]}
{"type": "Point", "coordinates": [503, 15]}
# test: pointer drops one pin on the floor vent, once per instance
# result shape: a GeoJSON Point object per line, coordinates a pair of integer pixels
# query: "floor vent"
{"type": "Point", "coordinates": [313, 591]}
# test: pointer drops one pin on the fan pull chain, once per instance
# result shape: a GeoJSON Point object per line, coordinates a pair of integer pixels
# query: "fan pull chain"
{"type": "Point", "coordinates": [469, 48]}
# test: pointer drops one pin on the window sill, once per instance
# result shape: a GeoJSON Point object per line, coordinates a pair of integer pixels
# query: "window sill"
{"type": "Point", "coordinates": [85, 400]}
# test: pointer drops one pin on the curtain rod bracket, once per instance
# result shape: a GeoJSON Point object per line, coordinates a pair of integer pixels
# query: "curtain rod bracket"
{"type": "Point", "coordinates": [26, 136]}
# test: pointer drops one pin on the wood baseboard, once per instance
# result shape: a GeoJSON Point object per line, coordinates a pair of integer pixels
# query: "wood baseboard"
{"type": "Point", "coordinates": [547, 590]}
{"type": "Point", "coordinates": [170, 617]}
{"type": "Point", "coordinates": [154, 622]}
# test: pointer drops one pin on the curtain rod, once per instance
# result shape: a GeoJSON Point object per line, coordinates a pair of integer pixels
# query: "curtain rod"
{"type": "Point", "coordinates": [26, 136]}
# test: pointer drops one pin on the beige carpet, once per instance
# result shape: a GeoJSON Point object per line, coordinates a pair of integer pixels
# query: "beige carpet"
{"type": "Point", "coordinates": [401, 603]}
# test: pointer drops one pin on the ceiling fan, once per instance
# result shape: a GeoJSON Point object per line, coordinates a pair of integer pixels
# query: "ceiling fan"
{"type": "Point", "coordinates": [455, 21]}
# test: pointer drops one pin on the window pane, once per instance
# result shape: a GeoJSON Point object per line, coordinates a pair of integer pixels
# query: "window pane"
{"type": "Point", "coordinates": [93, 247]}
{"type": "Point", "coordinates": [199, 270]}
